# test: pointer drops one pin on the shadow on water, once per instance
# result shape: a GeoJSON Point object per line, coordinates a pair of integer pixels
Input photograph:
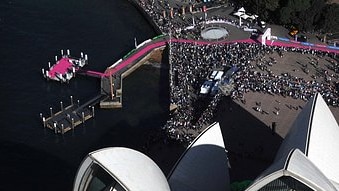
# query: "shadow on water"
{"type": "Point", "coordinates": [26, 168]}
{"type": "Point", "coordinates": [251, 145]}
{"type": "Point", "coordinates": [138, 123]}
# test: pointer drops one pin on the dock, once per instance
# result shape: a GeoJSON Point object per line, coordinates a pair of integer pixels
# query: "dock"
{"type": "Point", "coordinates": [71, 116]}
{"type": "Point", "coordinates": [65, 68]}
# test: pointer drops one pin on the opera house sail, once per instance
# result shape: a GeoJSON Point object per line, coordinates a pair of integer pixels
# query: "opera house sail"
{"type": "Point", "coordinates": [123, 169]}
{"type": "Point", "coordinates": [308, 158]}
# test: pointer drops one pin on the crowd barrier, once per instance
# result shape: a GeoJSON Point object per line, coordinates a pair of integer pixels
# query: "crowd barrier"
{"type": "Point", "coordinates": [307, 43]}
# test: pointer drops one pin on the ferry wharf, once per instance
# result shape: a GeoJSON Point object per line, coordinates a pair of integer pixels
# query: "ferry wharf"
{"type": "Point", "coordinates": [71, 116]}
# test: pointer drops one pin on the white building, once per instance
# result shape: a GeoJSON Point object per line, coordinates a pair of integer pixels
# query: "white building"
{"type": "Point", "coordinates": [123, 169]}
{"type": "Point", "coordinates": [308, 158]}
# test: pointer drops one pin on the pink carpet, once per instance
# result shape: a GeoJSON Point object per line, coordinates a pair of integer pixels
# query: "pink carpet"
{"type": "Point", "coordinates": [61, 67]}
{"type": "Point", "coordinates": [143, 50]}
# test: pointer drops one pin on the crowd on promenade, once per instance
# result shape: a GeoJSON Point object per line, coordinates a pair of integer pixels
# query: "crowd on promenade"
{"type": "Point", "coordinates": [180, 26]}
{"type": "Point", "coordinates": [190, 70]}
{"type": "Point", "coordinates": [192, 63]}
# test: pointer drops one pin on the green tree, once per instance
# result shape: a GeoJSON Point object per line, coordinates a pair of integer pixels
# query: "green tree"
{"type": "Point", "coordinates": [285, 15]}
{"type": "Point", "coordinates": [264, 8]}
{"type": "Point", "coordinates": [310, 17]}
{"type": "Point", "coordinates": [329, 21]}
{"type": "Point", "coordinates": [299, 5]}
{"type": "Point", "coordinates": [304, 14]}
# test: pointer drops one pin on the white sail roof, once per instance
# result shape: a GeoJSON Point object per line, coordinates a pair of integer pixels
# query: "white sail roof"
{"type": "Point", "coordinates": [297, 166]}
{"type": "Point", "coordinates": [134, 170]}
{"type": "Point", "coordinates": [309, 152]}
{"type": "Point", "coordinates": [204, 165]}
{"type": "Point", "coordinates": [316, 133]}
{"type": "Point", "coordinates": [323, 143]}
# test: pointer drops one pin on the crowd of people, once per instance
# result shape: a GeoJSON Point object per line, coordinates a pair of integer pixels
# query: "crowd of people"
{"type": "Point", "coordinates": [171, 21]}
{"type": "Point", "coordinates": [285, 84]}
{"type": "Point", "coordinates": [192, 63]}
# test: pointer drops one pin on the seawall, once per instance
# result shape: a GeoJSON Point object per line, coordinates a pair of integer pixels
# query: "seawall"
{"type": "Point", "coordinates": [147, 17]}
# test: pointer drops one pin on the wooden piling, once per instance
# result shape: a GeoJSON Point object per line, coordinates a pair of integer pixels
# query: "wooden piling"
{"type": "Point", "coordinates": [61, 106]}
{"type": "Point", "coordinates": [62, 129]}
{"type": "Point", "coordinates": [55, 128]}
{"type": "Point", "coordinates": [72, 121]}
{"type": "Point", "coordinates": [44, 121]}
{"type": "Point", "coordinates": [71, 100]}
{"type": "Point", "coordinates": [83, 117]}
{"type": "Point", "coordinates": [92, 111]}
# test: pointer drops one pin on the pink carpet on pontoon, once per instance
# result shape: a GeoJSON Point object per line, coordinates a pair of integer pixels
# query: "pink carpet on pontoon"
{"type": "Point", "coordinates": [61, 67]}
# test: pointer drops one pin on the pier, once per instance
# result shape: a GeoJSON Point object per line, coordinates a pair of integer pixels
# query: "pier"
{"type": "Point", "coordinates": [111, 84]}
{"type": "Point", "coordinates": [70, 116]}
{"type": "Point", "coordinates": [111, 80]}
{"type": "Point", "coordinates": [65, 68]}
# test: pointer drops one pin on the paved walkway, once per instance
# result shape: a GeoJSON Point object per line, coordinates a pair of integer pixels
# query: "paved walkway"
{"type": "Point", "coordinates": [150, 46]}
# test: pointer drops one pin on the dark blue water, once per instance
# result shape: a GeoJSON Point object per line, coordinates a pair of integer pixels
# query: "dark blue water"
{"type": "Point", "coordinates": [32, 32]}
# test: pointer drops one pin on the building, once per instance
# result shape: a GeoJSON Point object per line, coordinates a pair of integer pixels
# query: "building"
{"type": "Point", "coordinates": [308, 157]}
{"type": "Point", "coordinates": [123, 169]}
{"type": "Point", "coordinates": [307, 160]}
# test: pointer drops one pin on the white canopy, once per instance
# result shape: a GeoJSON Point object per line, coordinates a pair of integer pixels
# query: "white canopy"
{"type": "Point", "coordinates": [242, 10]}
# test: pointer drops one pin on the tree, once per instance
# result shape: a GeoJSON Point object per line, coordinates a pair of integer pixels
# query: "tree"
{"type": "Point", "coordinates": [304, 14]}
{"type": "Point", "coordinates": [329, 21]}
{"type": "Point", "coordinates": [285, 15]}
{"type": "Point", "coordinates": [271, 5]}
{"type": "Point", "coordinates": [299, 5]}
{"type": "Point", "coordinates": [264, 8]}
{"type": "Point", "coordinates": [311, 16]}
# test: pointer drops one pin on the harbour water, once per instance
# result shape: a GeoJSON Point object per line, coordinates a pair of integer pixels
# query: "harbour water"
{"type": "Point", "coordinates": [32, 32]}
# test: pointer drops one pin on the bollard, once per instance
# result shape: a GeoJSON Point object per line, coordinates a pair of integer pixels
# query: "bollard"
{"type": "Point", "coordinates": [51, 111]}
{"type": "Point", "coordinates": [56, 58]}
{"type": "Point", "coordinates": [73, 71]}
{"type": "Point", "coordinates": [68, 52]}
{"type": "Point", "coordinates": [71, 100]}
{"type": "Point", "coordinates": [62, 52]}
{"type": "Point", "coordinates": [61, 106]}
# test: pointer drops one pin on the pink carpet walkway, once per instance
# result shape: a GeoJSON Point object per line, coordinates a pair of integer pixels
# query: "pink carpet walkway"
{"type": "Point", "coordinates": [138, 54]}
{"type": "Point", "coordinates": [61, 67]}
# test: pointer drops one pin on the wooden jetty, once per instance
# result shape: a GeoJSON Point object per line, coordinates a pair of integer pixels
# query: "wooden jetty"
{"type": "Point", "coordinates": [71, 116]}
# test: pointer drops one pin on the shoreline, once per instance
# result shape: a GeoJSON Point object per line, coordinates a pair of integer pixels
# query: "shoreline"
{"type": "Point", "coordinates": [249, 137]}
{"type": "Point", "coordinates": [146, 16]}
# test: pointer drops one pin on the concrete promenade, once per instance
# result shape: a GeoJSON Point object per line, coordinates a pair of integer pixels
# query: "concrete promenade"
{"type": "Point", "coordinates": [117, 69]}
{"type": "Point", "coordinates": [248, 134]}
{"type": "Point", "coordinates": [112, 70]}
